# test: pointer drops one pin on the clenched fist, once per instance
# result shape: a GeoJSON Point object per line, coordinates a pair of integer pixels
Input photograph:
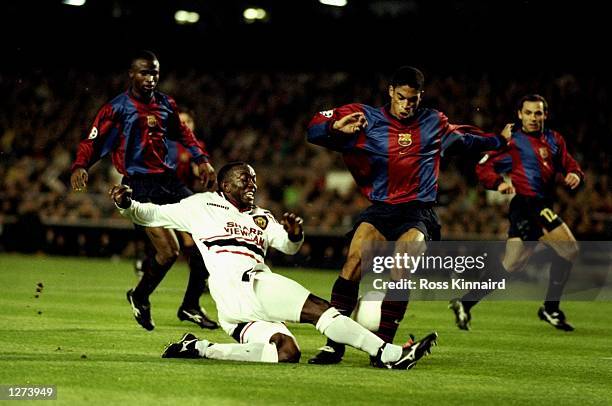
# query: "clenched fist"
{"type": "Point", "coordinates": [292, 223]}
{"type": "Point", "coordinates": [121, 195]}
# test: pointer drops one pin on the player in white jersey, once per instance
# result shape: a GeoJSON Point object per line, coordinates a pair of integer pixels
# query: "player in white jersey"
{"type": "Point", "coordinates": [234, 235]}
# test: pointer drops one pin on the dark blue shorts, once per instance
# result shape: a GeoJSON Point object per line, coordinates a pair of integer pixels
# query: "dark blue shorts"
{"type": "Point", "coordinates": [529, 216]}
{"type": "Point", "coordinates": [157, 188]}
{"type": "Point", "coordinates": [393, 220]}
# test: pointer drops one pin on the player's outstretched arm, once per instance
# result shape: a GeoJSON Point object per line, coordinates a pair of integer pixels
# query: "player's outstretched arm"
{"type": "Point", "coordinates": [178, 216]}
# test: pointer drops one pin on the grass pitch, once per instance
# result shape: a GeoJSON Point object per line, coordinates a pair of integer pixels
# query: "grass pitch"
{"type": "Point", "coordinates": [79, 334]}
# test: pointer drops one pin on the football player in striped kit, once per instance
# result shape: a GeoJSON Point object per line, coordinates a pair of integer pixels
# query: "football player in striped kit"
{"type": "Point", "coordinates": [532, 159]}
{"type": "Point", "coordinates": [393, 153]}
{"type": "Point", "coordinates": [137, 129]}
{"type": "Point", "coordinates": [252, 302]}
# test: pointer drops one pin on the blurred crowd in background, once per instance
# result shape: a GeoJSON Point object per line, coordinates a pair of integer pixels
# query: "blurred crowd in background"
{"type": "Point", "coordinates": [262, 117]}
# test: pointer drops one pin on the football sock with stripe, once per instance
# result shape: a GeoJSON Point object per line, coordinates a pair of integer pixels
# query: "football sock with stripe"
{"type": "Point", "coordinates": [392, 312]}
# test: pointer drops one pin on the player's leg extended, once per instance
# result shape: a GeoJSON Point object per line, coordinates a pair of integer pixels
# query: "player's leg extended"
{"type": "Point", "coordinates": [342, 329]}
{"type": "Point", "coordinates": [259, 341]}
{"type": "Point", "coordinates": [190, 309]}
{"type": "Point", "coordinates": [516, 256]}
{"type": "Point", "coordinates": [283, 299]}
{"type": "Point", "coordinates": [154, 269]}
{"type": "Point", "coordinates": [395, 303]}
{"type": "Point", "coordinates": [345, 291]}
{"type": "Point", "coordinates": [563, 242]}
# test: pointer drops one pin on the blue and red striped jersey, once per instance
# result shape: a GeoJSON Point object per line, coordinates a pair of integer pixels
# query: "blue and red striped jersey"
{"type": "Point", "coordinates": [395, 161]}
{"type": "Point", "coordinates": [532, 162]}
{"type": "Point", "coordinates": [138, 136]}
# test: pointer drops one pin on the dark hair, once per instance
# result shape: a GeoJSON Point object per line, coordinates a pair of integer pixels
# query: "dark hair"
{"type": "Point", "coordinates": [408, 75]}
{"type": "Point", "coordinates": [143, 54]}
{"type": "Point", "coordinates": [532, 98]}
{"type": "Point", "coordinates": [227, 169]}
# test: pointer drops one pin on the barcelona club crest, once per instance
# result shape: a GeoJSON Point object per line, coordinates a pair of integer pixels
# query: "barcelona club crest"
{"type": "Point", "coordinates": [405, 139]}
{"type": "Point", "coordinates": [151, 121]}
{"type": "Point", "coordinates": [261, 221]}
{"type": "Point", "coordinates": [543, 152]}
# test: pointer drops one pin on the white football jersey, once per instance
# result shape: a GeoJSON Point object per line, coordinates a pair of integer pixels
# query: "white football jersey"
{"type": "Point", "coordinates": [231, 242]}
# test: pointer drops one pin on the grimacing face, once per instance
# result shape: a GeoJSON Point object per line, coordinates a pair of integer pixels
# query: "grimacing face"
{"type": "Point", "coordinates": [144, 75]}
{"type": "Point", "coordinates": [404, 101]}
{"type": "Point", "coordinates": [241, 186]}
{"type": "Point", "coordinates": [532, 116]}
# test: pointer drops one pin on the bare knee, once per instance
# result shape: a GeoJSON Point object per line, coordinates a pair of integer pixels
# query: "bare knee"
{"type": "Point", "coordinates": [514, 265]}
{"type": "Point", "coordinates": [313, 308]}
{"type": "Point", "coordinates": [166, 255]}
{"type": "Point", "coordinates": [165, 243]}
{"type": "Point", "coordinates": [286, 347]}
{"type": "Point", "coordinates": [572, 251]}
{"type": "Point", "coordinates": [166, 251]}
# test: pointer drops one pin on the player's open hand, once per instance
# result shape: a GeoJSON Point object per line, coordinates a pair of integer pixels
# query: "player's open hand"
{"type": "Point", "coordinates": [207, 176]}
{"type": "Point", "coordinates": [78, 179]}
{"type": "Point", "coordinates": [121, 195]}
{"type": "Point", "coordinates": [572, 180]}
{"type": "Point", "coordinates": [507, 131]}
{"type": "Point", "coordinates": [351, 124]}
{"type": "Point", "coordinates": [293, 225]}
{"type": "Point", "coordinates": [506, 189]}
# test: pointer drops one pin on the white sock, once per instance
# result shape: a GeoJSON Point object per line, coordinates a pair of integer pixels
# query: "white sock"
{"type": "Point", "coordinates": [251, 352]}
{"type": "Point", "coordinates": [201, 346]}
{"type": "Point", "coordinates": [344, 330]}
{"type": "Point", "coordinates": [391, 353]}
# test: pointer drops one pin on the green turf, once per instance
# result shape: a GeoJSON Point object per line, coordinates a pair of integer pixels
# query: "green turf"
{"type": "Point", "coordinates": [79, 334]}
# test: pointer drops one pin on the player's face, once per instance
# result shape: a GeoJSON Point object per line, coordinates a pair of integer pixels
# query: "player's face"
{"type": "Point", "coordinates": [242, 186]}
{"type": "Point", "coordinates": [188, 120]}
{"type": "Point", "coordinates": [404, 101]}
{"type": "Point", "coordinates": [532, 116]}
{"type": "Point", "coordinates": [145, 76]}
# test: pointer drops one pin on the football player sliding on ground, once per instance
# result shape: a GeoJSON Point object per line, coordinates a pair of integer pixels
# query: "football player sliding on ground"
{"type": "Point", "coordinates": [234, 235]}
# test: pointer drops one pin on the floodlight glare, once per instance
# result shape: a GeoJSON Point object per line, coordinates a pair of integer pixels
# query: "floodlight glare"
{"type": "Point", "coordinates": [186, 17]}
{"type": "Point", "coordinates": [251, 14]}
{"type": "Point", "coordinates": [337, 3]}
{"type": "Point", "coordinates": [74, 2]}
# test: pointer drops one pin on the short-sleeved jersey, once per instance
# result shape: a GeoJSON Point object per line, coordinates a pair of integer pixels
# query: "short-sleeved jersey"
{"type": "Point", "coordinates": [532, 161]}
{"type": "Point", "coordinates": [138, 136]}
{"type": "Point", "coordinates": [395, 161]}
